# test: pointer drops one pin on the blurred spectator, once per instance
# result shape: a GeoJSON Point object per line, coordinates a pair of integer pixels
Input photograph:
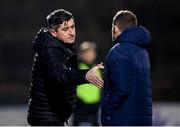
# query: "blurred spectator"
{"type": "Point", "coordinates": [88, 96]}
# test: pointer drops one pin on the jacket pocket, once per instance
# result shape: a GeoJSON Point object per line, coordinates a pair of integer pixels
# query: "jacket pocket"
{"type": "Point", "coordinates": [105, 119]}
{"type": "Point", "coordinates": [105, 110]}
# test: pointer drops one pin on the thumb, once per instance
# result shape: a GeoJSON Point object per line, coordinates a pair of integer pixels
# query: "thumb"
{"type": "Point", "coordinates": [101, 65]}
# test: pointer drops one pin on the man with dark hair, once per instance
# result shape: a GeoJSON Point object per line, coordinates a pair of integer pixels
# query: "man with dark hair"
{"type": "Point", "coordinates": [126, 96]}
{"type": "Point", "coordinates": [55, 73]}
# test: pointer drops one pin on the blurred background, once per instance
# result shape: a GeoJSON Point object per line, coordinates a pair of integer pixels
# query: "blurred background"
{"type": "Point", "coordinates": [21, 19]}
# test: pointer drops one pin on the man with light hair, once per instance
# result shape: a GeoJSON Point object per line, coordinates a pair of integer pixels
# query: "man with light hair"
{"type": "Point", "coordinates": [127, 96]}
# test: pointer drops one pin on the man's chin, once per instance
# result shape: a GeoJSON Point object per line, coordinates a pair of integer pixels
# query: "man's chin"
{"type": "Point", "coordinates": [70, 42]}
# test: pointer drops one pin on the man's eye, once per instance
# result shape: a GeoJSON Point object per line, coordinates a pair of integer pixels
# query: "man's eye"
{"type": "Point", "coordinates": [65, 29]}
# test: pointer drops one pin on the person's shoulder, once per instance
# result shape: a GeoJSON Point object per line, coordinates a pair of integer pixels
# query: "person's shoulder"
{"type": "Point", "coordinates": [113, 49]}
{"type": "Point", "coordinates": [117, 52]}
{"type": "Point", "coordinates": [118, 49]}
{"type": "Point", "coordinates": [41, 40]}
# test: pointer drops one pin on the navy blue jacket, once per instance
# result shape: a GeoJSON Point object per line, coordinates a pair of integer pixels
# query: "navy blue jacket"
{"type": "Point", "coordinates": [127, 96]}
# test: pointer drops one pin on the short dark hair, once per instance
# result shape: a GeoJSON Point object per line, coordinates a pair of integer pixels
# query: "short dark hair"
{"type": "Point", "coordinates": [125, 19]}
{"type": "Point", "coordinates": [57, 17]}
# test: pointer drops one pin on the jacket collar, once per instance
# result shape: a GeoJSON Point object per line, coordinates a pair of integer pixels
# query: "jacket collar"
{"type": "Point", "coordinates": [60, 44]}
{"type": "Point", "coordinates": [44, 39]}
{"type": "Point", "coordinates": [136, 35]}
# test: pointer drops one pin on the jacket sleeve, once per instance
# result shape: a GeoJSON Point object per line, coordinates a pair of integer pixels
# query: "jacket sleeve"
{"type": "Point", "coordinates": [57, 71]}
{"type": "Point", "coordinates": [119, 74]}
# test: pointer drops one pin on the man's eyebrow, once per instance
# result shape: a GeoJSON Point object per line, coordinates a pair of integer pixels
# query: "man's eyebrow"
{"type": "Point", "coordinates": [68, 26]}
{"type": "Point", "coordinates": [65, 26]}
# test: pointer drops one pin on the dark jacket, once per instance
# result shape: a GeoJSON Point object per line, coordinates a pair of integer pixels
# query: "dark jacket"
{"type": "Point", "coordinates": [55, 76]}
{"type": "Point", "coordinates": [127, 96]}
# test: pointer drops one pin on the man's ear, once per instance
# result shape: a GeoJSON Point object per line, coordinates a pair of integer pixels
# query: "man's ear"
{"type": "Point", "coordinates": [53, 32]}
{"type": "Point", "coordinates": [117, 30]}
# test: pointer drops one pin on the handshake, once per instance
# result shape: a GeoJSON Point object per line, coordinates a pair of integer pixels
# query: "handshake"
{"type": "Point", "coordinates": [93, 77]}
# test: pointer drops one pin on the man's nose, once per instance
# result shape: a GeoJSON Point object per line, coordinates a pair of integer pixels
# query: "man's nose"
{"type": "Point", "coordinates": [71, 31]}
